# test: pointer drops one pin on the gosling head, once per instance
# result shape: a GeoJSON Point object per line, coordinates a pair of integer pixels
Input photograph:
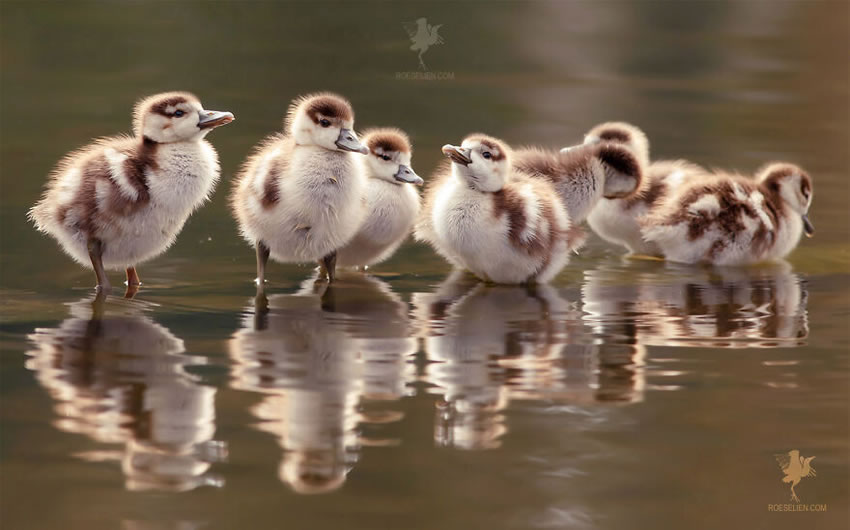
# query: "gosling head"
{"type": "Point", "coordinates": [324, 120]}
{"type": "Point", "coordinates": [481, 161]}
{"type": "Point", "coordinates": [176, 117]}
{"type": "Point", "coordinates": [793, 185]}
{"type": "Point", "coordinates": [620, 132]}
{"type": "Point", "coordinates": [389, 156]}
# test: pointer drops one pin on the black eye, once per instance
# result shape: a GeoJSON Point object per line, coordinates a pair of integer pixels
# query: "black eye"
{"type": "Point", "coordinates": [178, 113]}
{"type": "Point", "coordinates": [385, 157]}
{"type": "Point", "coordinates": [325, 123]}
{"type": "Point", "coordinates": [487, 155]}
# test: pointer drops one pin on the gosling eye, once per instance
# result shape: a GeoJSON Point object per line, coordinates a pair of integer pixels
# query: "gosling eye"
{"type": "Point", "coordinates": [385, 157]}
{"type": "Point", "coordinates": [325, 123]}
{"type": "Point", "coordinates": [487, 155]}
{"type": "Point", "coordinates": [178, 113]}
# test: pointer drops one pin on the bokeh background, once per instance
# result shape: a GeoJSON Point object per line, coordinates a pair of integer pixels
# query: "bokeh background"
{"type": "Point", "coordinates": [692, 436]}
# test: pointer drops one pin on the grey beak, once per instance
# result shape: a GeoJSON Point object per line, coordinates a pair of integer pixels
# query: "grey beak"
{"type": "Point", "coordinates": [458, 155]}
{"type": "Point", "coordinates": [592, 139]}
{"type": "Point", "coordinates": [209, 119]}
{"type": "Point", "coordinates": [406, 174]}
{"type": "Point", "coordinates": [348, 141]}
{"type": "Point", "coordinates": [808, 226]}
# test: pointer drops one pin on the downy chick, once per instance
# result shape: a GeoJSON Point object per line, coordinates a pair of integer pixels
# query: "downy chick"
{"type": "Point", "coordinates": [122, 200]}
{"type": "Point", "coordinates": [301, 195]}
{"type": "Point", "coordinates": [728, 219]}
{"type": "Point", "coordinates": [493, 220]}
{"type": "Point", "coordinates": [616, 219]}
{"type": "Point", "coordinates": [392, 203]}
{"type": "Point", "coordinates": [585, 174]}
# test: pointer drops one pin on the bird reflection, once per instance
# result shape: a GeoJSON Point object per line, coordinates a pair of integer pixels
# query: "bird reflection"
{"type": "Point", "coordinates": [490, 344]}
{"type": "Point", "coordinates": [320, 356]}
{"type": "Point", "coordinates": [118, 377]}
{"type": "Point", "coordinates": [693, 306]}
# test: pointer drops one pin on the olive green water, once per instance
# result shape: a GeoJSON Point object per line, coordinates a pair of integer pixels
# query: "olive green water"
{"type": "Point", "coordinates": [627, 394]}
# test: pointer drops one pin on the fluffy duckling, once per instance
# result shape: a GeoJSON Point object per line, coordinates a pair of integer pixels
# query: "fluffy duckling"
{"type": "Point", "coordinates": [392, 202]}
{"type": "Point", "coordinates": [485, 216]}
{"type": "Point", "coordinates": [585, 174]}
{"type": "Point", "coordinates": [121, 201]}
{"type": "Point", "coordinates": [616, 219]}
{"type": "Point", "coordinates": [300, 196]}
{"type": "Point", "coordinates": [727, 219]}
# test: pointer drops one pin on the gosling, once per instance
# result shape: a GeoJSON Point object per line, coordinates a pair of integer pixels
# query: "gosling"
{"type": "Point", "coordinates": [392, 202]}
{"type": "Point", "coordinates": [616, 219]}
{"type": "Point", "coordinates": [121, 201]}
{"type": "Point", "coordinates": [726, 219]}
{"type": "Point", "coordinates": [486, 217]}
{"type": "Point", "coordinates": [584, 175]}
{"type": "Point", "coordinates": [300, 196]}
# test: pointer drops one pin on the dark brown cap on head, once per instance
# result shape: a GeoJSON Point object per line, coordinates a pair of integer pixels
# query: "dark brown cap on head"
{"type": "Point", "coordinates": [325, 104]}
{"type": "Point", "coordinates": [779, 170]}
{"type": "Point", "coordinates": [772, 173]}
{"type": "Point", "coordinates": [158, 104]}
{"type": "Point", "coordinates": [500, 148]}
{"type": "Point", "coordinates": [620, 132]}
{"type": "Point", "coordinates": [614, 135]}
{"type": "Point", "coordinates": [615, 131]}
{"type": "Point", "coordinates": [386, 139]}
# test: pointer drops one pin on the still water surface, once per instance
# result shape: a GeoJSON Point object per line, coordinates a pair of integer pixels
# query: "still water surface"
{"type": "Point", "coordinates": [626, 394]}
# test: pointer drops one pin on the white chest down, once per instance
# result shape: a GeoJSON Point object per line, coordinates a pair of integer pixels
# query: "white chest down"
{"type": "Point", "coordinates": [183, 180]}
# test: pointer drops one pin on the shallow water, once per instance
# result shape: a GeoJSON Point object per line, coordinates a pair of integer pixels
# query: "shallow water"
{"type": "Point", "coordinates": [625, 394]}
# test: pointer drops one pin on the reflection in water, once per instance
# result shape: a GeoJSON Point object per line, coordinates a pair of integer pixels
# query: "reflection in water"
{"type": "Point", "coordinates": [330, 360]}
{"type": "Point", "coordinates": [119, 377]}
{"type": "Point", "coordinates": [694, 306]}
{"type": "Point", "coordinates": [318, 355]}
{"type": "Point", "coordinates": [489, 344]}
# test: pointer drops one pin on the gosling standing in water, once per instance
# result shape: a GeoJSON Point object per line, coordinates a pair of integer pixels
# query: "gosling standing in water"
{"type": "Point", "coordinates": [616, 219]}
{"type": "Point", "coordinates": [300, 196]}
{"type": "Point", "coordinates": [728, 219]}
{"type": "Point", "coordinates": [392, 202]}
{"type": "Point", "coordinates": [122, 200]}
{"type": "Point", "coordinates": [486, 217]}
